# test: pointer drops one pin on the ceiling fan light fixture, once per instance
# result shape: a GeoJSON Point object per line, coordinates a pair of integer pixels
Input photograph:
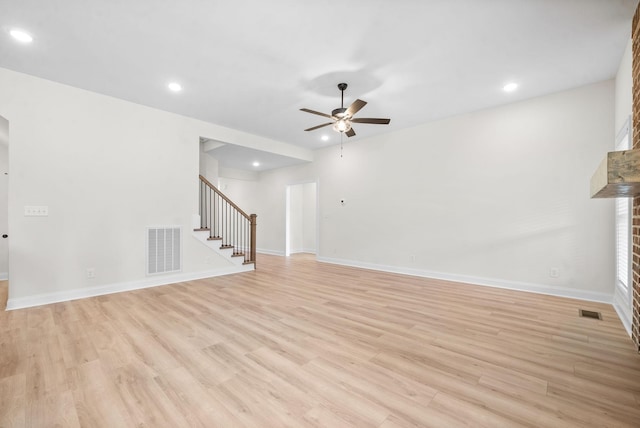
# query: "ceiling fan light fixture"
{"type": "Point", "coordinates": [342, 125]}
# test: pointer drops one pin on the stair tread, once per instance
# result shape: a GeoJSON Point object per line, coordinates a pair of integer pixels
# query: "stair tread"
{"type": "Point", "coordinates": [201, 229]}
{"type": "Point", "coordinates": [214, 238]}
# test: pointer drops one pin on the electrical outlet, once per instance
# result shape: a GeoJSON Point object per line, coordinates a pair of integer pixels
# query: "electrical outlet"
{"type": "Point", "coordinates": [91, 273]}
{"type": "Point", "coordinates": [554, 272]}
{"type": "Point", "coordinates": [412, 258]}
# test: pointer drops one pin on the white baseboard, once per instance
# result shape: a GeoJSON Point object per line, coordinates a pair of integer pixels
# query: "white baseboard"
{"type": "Point", "coordinates": [303, 251]}
{"type": "Point", "coordinates": [270, 252]}
{"type": "Point", "coordinates": [81, 293]}
{"type": "Point", "coordinates": [592, 296]}
{"type": "Point", "coordinates": [624, 312]}
{"type": "Point", "coordinates": [4, 276]}
{"type": "Point", "coordinates": [281, 253]}
{"type": "Point", "coordinates": [626, 322]}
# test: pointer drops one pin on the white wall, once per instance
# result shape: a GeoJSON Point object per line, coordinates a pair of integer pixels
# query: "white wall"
{"type": "Point", "coordinates": [302, 218]}
{"type": "Point", "coordinates": [309, 224]}
{"type": "Point", "coordinates": [500, 196]}
{"type": "Point", "coordinates": [4, 196]}
{"type": "Point", "coordinates": [241, 192]}
{"type": "Point", "coordinates": [624, 89]}
{"type": "Point", "coordinates": [296, 219]}
{"type": "Point", "coordinates": [106, 169]}
{"type": "Point", "coordinates": [238, 174]}
{"type": "Point", "coordinates": [209, 168]}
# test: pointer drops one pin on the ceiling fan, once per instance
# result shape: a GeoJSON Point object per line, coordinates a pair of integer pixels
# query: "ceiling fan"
{"type": "Point", "coordinates": [343, 117]}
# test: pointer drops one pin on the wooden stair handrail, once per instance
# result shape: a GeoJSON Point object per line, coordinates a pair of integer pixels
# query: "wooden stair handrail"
{"type": "Point", "coordinates": [223, 196]}
{"type": "Point", "coordinates": [230, 242]}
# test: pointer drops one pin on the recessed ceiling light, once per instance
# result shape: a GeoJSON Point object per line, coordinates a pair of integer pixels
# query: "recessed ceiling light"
{"type": "Point", "coordinates": [175, 87]}
{"type": "Point", "coordinates": [325, 138]}
{"type": "Point", "coordinates": [256, 163]}
{"type": "Point", "coordinates": [510, 87]}
{"type": "Point", "coordinates": [21, 36]}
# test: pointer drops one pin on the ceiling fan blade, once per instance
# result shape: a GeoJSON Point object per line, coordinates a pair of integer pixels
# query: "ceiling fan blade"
{"type": "Point", "coordinates": [350, 133]}
{"type": "Point", "coordinates": [371, 120]}
{"type": "Point", "coordinates": [316, 112]}
{"type": "Point", "coordinates": [319, 126]}
{"type": "Point", "coordinates": [355, 107]}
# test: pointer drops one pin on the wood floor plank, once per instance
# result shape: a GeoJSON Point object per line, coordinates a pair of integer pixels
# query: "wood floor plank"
{"type": "Point", "coordinates": [196, 405]}
{"type": "Point", "coordinates": [12, 408]}
{"type": "Point", "coordinates": [463, 411]}
{"type": "Point", "coordinates": [13, 352]}
{"type": "Point", "coordinates": [54, 410]}
{"type": "Point", "coordinates": [96, 398]}
{"type": "Point", "coordinates": [436, 420]}
{"type": "Point", "coordinates": [46, 371]}
{"type": "Point", "coordinates": [135, 384]}
{"type": "Point", "coordinates": [300, 343]}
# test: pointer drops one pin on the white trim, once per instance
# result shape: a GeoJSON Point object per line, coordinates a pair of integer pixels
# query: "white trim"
{"type": "Point", "coordinates": [270, 252]}
{"type": "Point", "coordinates": [4, 276]}
{"type": "Point", "coordinates": [622, 308]}
{"type": "Point", "coordinates": [202, 237]}
{"type": "Point", "coordinates": [625, 131]}
{"type": "Point", "coordinates": [593, 296]}
{"type": "Point", "coordinates": [287, 244]}
{"type": "Point", "coordinates": [287, 221]}
{"type": "Point", "coordinates": [303, 251]}
{"type": "Point", "coordinates": [81, 293]}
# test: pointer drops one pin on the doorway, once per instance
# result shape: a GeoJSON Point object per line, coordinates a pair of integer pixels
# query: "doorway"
{"type": "Point", "coordinates": [301, 219]}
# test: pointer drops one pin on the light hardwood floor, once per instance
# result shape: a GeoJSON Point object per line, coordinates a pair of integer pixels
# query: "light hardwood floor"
{"type": "Point", "coordinates": [302, 344]}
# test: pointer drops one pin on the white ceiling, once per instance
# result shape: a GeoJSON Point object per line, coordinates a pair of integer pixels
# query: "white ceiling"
{"type": "Point", "coordinates": [239, 157]}
{"type": "Point", "coordinates": [251, 64]}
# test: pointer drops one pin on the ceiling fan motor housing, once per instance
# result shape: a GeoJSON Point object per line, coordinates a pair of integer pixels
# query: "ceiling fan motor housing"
{"type": "Point", "coordinates": [339, 112]}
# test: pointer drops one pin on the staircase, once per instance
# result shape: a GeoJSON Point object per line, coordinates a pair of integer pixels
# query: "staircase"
{"type": "Point", "coordinates": [224, 227]}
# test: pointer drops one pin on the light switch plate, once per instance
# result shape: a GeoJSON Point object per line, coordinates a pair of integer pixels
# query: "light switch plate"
{"type": "Point", "coordinates": [36, 211]}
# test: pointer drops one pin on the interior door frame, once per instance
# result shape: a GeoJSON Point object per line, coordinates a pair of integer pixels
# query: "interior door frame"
{"type": "Point", "coordinates": [287, 226]}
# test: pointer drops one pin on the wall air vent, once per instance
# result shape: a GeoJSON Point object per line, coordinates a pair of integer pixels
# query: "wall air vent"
{"type": "Point", "coordinates": [164, 249]}
{"type": "Point", "coordinates": [590, 314]}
